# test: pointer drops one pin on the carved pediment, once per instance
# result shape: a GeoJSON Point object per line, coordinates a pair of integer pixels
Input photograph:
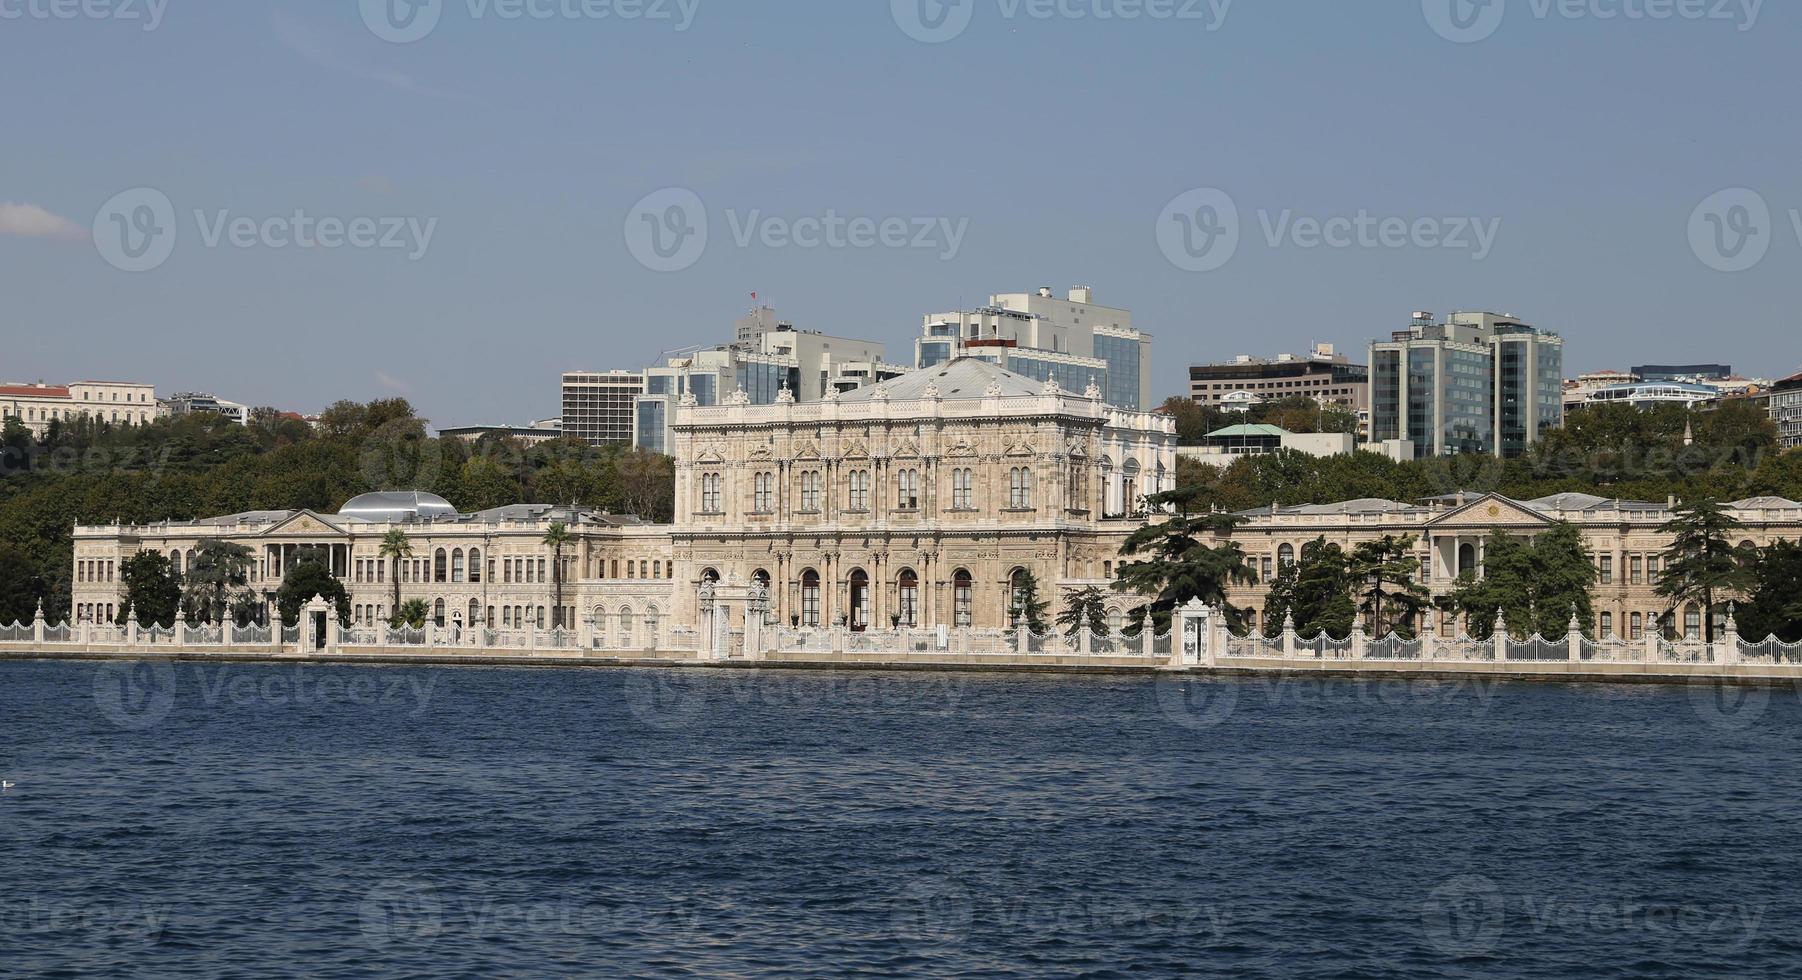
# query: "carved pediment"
{"type": "Point", "coordinates": [963, 448]}
{"type": "Point", "coordinates": [857, 451]}
{"type": "Point", "coordinates": [1019, 449]}
{"type": "Point", "coordinates": [1491, 510]}
{"type": "Point", "coordinates": [305, 522]}
{"type": "Point", "coordinates": [710, 457]}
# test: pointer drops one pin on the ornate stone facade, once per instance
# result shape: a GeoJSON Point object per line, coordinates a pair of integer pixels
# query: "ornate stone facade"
{"type": "Point", "coordinates": [1623, 538]}
{"type": "Point", "coordinates": [919, 500]}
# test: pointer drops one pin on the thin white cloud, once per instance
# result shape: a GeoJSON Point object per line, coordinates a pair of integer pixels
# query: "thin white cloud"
{"type": "Point", "coordinates": [31, 221]}
{"type": "Point", "coordinates": [324, 52]}
{"type": "Point", "coordinates": [392, 383]}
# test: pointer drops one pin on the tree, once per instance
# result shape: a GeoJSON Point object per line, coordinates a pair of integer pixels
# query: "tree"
{"type": "Point", "coordinates": [1702, 562]}
{"type": "Point", "coordinates": [557, 536]}
{"type": "Point", "coordinates": [1315, 591]}
{"type": "Point", "coordinates": [1528, 588]}
{"type": "Point", "coordinates": [1084, 608]}
{"type": "Point", "coordinates": [395, 546]}
{"type": "Point", "coordinates": [412, 614]}
{"type": "Point", "coordinates": [1384, 571]}
{"type": "Point", "coordinates": [152, 589]}
{"type": "Point", "coordinates": [1026, 608]}
{"type": "Point", "coordinates": [1774, 607]}
{"type": "Point", "coordinates": [16, 445]}
{"type": "Point", "coordinates": [647, 483]}
{"type": "Point", "coordinates": [1177, 565]}
{"type": "Point", "coordinates": [216, 568]}
{"type": "Point", "coordinates": [309, 578]}
{"type": "Point", "coordinates": [1563, 582]}
{"type": "Point", "coordinates": [20, 587]}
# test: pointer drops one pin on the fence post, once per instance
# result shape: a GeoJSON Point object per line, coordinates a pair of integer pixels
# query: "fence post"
{"type": "Point", "coordinates": [133, 623]}
{"type": "Point", "coordinates": [181, 628]}
{"type": "Point", "coordinates": [1727, 647]}
{"type": "Point", "coordinates": [1020, 645]}
{"type": "Point", "coordinates": [1429, 642]}
{"type": "Point", "coordinates": [1360, 641]}
{"type": "Point", "coordinates": [1575, 636]}
{"type": "Point", "coordinates": [37, 625]}
{"type": "Point", "coordinates": [1650, 650]}
{"type": "Point", "coordinates": [1289, 635]}
{"type": "Point", "coordinates": [1500, 639]}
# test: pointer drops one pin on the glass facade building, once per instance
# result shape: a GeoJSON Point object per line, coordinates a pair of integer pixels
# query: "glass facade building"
{"type": "Point", "coordinates": [1123, 368]}
{"type": "Point", "coordinates": [1478, 383]}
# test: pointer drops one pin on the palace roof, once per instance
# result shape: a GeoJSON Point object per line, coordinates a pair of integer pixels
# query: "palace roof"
{"type": "Point", "coordinates": [963, 378]}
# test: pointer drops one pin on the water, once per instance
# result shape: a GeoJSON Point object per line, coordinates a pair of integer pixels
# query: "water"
{"type": "Point", "coordinates": [216, 821]}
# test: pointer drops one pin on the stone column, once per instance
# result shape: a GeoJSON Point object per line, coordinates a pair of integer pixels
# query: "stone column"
{"type": "Point", "coordinates": [1289, 634]}
{"type": "Point", "coordinates": [1727, 649]}
{"type": "Point", "coordinates": [1360, 642]}
{"type": "Point", "coordinates": [1575, 637]}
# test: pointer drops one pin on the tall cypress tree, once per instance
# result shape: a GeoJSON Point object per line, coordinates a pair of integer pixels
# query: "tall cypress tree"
{"type": "Point", "coordinates": [1703, 564]}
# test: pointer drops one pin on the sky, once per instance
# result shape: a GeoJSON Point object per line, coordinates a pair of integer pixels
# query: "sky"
{"type": "Point", "coordinates": [291, 202]}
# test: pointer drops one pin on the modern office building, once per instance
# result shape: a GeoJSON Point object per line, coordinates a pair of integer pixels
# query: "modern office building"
{"type": "Point", "coordinates": [1645, 395]}
{"type": "Point", "coordinates": [1475, 383]}
{"type": "Point", "coordinates": [1325, 375]}
{"type": "Point", "coordinates": [1786, 411]}
{"type": "Point", "coordinates": [597, 407]}
{"type": "Point", "coordinates": [193, 402]}
{"type": "Point", "coordinates": [766, 357]}
{"type": "Point", "coordinates": [113, 402]}
{"type": "Point", "coordinates": [1071, 340]}
{"type": "Point", "coordinates": [1682, 372]}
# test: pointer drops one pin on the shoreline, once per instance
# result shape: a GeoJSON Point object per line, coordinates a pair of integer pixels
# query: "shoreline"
{"type": "Point", "coordinates": [1547, 672]}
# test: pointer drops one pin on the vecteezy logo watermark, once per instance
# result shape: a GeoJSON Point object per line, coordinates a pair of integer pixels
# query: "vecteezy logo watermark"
{"type": "Point", "coordinates": [1464, 916]}
{"type": "Point", "coordinates": [1470, 21]}
{"type": "Point", "coordinates": [148, 12]}
{"type": "Point", "coordinates": [669, 230]}
{"type": "Point", "coordinates": [1731, 231]}
{"type": "Point", "coordinates": [1199, 231]}
{"type": "Point", "coordinates": [135, 694]}
{"type": "Point", "coordinates": [407, 21]}
{"type": "Point", "coordinates": [938, 21]}
{"type": "Point", "coordinates": [137, 231]}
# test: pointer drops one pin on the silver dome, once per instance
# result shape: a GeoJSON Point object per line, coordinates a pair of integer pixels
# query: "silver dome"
{"type": "Point", "coordinates": [397, 507]}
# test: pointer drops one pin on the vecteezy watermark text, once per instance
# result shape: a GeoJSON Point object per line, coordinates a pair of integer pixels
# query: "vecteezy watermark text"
{"type": "Point", "coordinates": [938, 21]}
{"type": "Point", "coordinates": [1470, 21]}
{"type": "Point", "coordinates": [406, 21]}
{"type": "Point", "coordinates": [147, 12]}
{"type": "Point", "coordinates": [138, 230]}
{"type": "Point", "coordinates": [669, 230]}
{"type": "Point", "coordinates": [1200, 231]}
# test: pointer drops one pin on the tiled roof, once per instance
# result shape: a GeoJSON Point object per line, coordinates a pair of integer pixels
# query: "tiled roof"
{"type": "Point", "coordinates": [33, 391]}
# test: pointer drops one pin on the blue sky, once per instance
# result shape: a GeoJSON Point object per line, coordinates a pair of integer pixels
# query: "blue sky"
{"type": "Point", "coordinates": [1585, 143]}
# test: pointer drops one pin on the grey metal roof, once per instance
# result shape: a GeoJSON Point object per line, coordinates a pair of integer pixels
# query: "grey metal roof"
{"type": "Point", "coordinates": [965, 377]}
{"type": "Point", "coordinates": [1765, 503]}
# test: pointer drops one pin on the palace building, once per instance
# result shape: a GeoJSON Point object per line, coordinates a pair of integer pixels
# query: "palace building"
{"type": "Point", "coordinates": [923, 500]}
{"type": "Point", "coordinates": [1623, 537]}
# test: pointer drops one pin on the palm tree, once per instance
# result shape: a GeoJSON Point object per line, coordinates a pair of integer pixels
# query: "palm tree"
{"type": "Point", "coordinates": [557, 537]}
{"type": "Point", "coordinates": [395, 546]}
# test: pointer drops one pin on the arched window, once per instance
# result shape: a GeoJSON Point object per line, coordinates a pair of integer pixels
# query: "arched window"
{"type": "Point", "coordinates": [761, 577]}
{"type": "Point", "coordinates": [858, 497]}
{"type": "Point", "coordinates": [860, 599]}
{"type": "Point", "coordinates": [440, 565]}
{"type": "Point", "coordinates": [1692, 622]}
{"type": "Point", "coordinates": [599, 616]}
{"type": "Point", "coordinates": [710, 575]}
{"type": "Point", "coordinates": [909, 585]}
{"type": "Point", "coordinates": [475, 565]}
{"type": "Point", "coordinates": [764, 493]}
{"type": "Point", "coordinates": [438, 612]}
{"type": "Point", "coordinates": [625, 626]}
{"type": "Point", "coordinates": [457, 565]}
{"type": "Point", "coordinates": [1019, 488]}
{"type": "Point", "coordinates": [961, 496]}
{"type": "Point", "coordinates": [810, 598]}
{"type": "Point", "coordinates": [1129, 489]}
{"type": "Point", "coordinates": [1016, 580]}
{"type": "Point", "coordinates": [1467, 559]}
{"type": "Point", "coordinates": [907, 490]}
{"type": "Point", "coordinates": [653, 628]}
{"type": "Point", "coordinates": [1285, 556]}
{"type": "Point", "coordinates": [656, 569]}
{"type": "Point", "coordinates": [1607, 626]}
{"type": "Point", "coordinates": [475, 612]}
{"type": "Point", "coordinates": [810, 491]}
{"type": "Point", "coordinates": [963, 597]}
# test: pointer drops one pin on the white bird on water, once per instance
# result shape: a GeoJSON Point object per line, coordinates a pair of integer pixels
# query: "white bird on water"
{"type": "Point", "coordinates": [4, 785]}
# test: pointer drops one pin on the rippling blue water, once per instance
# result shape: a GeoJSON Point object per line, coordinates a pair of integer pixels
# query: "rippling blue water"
{"type": "Point", "coordinates": [338, 822]}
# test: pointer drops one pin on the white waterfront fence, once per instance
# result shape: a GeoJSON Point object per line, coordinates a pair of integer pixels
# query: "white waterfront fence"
{"type": "Point", "coordinates": [1221, 647]}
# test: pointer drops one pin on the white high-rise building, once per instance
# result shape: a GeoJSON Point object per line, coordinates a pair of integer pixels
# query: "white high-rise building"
{"type": "Point", "coordinates": [1070, 339]}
